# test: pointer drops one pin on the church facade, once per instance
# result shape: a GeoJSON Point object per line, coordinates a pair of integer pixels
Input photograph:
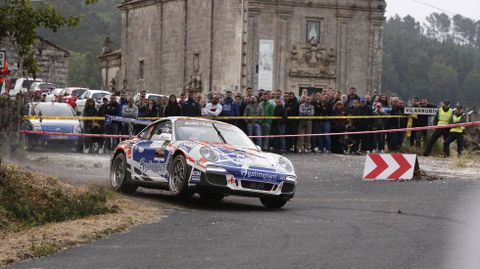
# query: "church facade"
{"type": "Point", "coordinates": [170, 45]}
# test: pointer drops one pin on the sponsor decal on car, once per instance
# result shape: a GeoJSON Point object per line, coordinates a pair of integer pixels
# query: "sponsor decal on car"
{"type": "Point", "coordinates": [245, 173]}
{"type": "Point", "coordinates": [155, 167]}
{"type": "Point", "coordinates": [186, 147]}
{"type": "Point", "coordinates": [196, 175]}
{"type": "Point", "coordinates": [231, 179]}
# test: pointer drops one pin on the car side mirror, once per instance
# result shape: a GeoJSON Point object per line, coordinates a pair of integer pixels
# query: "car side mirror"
{"type": "Point", "coordinates": [162, 137]}
{"type": "Point", "coordinates": [258, 147]}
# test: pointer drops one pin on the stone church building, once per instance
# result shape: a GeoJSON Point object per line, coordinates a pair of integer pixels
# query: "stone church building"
{"type": "Point", "coordinates": [52, 62]}
{"type": "Point", "coordinates": [170, 45]}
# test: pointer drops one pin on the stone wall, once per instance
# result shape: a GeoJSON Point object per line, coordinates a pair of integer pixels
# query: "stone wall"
{"type": "Point", "coordinates": [178, 40]}
{"type": "Point", "coordinates": [52, 61]}
{"type": "Point", "coordinates": [352, 30]}
{"type": "Point", "coordinates": [11, 113]}
{"type": "Point", "coordinates": [111, 65]}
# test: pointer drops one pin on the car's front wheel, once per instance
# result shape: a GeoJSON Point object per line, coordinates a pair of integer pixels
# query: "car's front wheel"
{"type": "Point", "coordinates": [273, 202]}
{"type": "Point", "coordinates": [120, 177]}
{"type": "Point", "coordinates": [178, 182]}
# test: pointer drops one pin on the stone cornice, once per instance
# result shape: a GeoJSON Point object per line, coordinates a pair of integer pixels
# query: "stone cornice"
{"type": "Point", "coordinates": [290, 4]}
{"type": "Point", "coordinates": [131, 4]}
{"type": "Point", "coordinates": [111, 55]}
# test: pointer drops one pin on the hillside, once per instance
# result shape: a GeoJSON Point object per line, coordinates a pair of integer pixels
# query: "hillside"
{"type": "Point", "coordinates": [439, 59]}
{"type": "Point", "coordinates": [85, 40]}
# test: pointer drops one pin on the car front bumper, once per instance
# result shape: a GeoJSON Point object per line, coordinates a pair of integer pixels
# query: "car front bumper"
{"type": "Point", "coordinates": [230, 185]}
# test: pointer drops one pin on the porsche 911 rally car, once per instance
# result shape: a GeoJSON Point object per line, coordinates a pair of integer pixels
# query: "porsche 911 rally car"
{"type": "Point", "coordinates": [194, 155]}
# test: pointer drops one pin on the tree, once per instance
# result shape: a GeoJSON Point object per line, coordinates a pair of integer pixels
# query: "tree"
{"type": "Point", "coordinates": [438, 26]}
{"type": "Point", "coordinates": [83, 70]}
{"type": "Point", "coordinates": [418, 64]}
{"type": "Point", "coordinates": [20, 21]}
{"type": "Point", "coordinates": [443, 81]}
{"type": "Point", "coordinates": [465, 29]}
{"type": "Point", "coordinates": [471, 86]}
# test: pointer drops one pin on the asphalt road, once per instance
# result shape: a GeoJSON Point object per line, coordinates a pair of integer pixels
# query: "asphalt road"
{"type": "Point", "coordinates": [334, 221]}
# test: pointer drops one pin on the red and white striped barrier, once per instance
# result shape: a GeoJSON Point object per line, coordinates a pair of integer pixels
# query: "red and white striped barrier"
{"type": "Point", "coordinates": [390, 167]}
{"type": "Point", "coordinates": [468, 124]}
{"type": "Point", "coordinates": [72, 134]}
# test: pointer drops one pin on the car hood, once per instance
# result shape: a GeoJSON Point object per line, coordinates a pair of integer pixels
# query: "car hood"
{"type": "Point", "coordinates": [232, 156]}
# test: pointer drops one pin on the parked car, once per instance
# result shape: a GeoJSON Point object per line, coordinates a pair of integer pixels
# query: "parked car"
{"type": "Point", "coordinates": [151, 96]}
{"type": "Point", "coordinates": [44, 87]}
{"type": "Point", "coordinates": [22, 85]}
{"type": "Point", "coordinates": [71, 94]}
{"type": "Point", "coordinates": [96, 95]}
{"type": "Point", "coordinates": [52, 125]}
{"type": "Point", "coordinates": [215, 159]}
{"type": "Point", "coordinates": [54, 94]}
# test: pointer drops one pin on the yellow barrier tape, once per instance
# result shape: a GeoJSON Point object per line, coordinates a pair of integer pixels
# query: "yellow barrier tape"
{"type": "Point", "coordinates": [63, 118]}
{"type": "Point", "coordinates": [81, 118]}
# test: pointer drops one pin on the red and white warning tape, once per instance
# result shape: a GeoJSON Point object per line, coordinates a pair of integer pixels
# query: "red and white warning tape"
{"type": "Point", "coordinates": [375, 132]}
{"type": "Point", "coordinates": [72, 134]}
{"type": "Point", "coordinates": [468, 124]}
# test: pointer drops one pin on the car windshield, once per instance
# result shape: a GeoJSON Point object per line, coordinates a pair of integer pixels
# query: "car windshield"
{"type": "Point", "coordinates": [51, 110]}
{"type": "Point", "coordinates": [78, 92]}
{"type": "Point", "coordinates": [27, 83]}
{"type": "Point", "coordinates": [98, 96]}
{"type": "Point", "coordinates": [46, 87]}
{"type": "Point", "coordinates": [198, 130]}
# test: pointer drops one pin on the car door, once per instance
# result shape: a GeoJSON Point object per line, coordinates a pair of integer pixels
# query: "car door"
{"type": "Point", "coordinates": [150, 155]}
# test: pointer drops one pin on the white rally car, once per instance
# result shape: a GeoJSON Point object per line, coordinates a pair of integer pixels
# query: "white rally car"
{"type": "Point", "coordinates": [212, 158]}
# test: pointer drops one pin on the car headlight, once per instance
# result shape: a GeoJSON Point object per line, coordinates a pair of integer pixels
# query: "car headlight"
{"type": "Point", "coordinates": [215, 169]}
{"type": "Point", "coordinates": [209, 154]}
{"type": "Point", "coordinates": [77, 129]}
{"type": "Point", "coordinates": [36, 127]}
{"type": "Point", "coordinates": [291, 178]}
{"type": "Point", "coordinates": [285, 164]}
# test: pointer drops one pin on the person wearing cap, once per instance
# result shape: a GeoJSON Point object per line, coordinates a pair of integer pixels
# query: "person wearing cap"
{"type": "Point", "coordinates": [455, 133]}
{"type": "Point", "coordinates": [442, 118]}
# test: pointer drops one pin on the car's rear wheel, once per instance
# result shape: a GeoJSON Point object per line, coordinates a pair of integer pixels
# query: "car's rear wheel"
{"type": "Point", "coordinates": [273, 202]}
{"type": "Point", "coordinates": [178, 182]}
{"type": "Point", "coordinates": [211, 197]}
{"type": "Point", "coordinates": [120, 178]}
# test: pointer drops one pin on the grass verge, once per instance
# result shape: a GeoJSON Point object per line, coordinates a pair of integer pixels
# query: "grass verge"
{"type": "Point", "coordinates": [28, 200]}
{"type": "Point", "coordinates": [40, 215]}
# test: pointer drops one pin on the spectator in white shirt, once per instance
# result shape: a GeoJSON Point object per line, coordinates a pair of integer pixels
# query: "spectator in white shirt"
{"type": "Point", "coordinates": [214, 108]}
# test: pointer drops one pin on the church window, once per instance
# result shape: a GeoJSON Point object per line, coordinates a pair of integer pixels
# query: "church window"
{"type": "Point", "coordinates": [141, 66]}
{"type": "Point", "coordinates": [313, 31]}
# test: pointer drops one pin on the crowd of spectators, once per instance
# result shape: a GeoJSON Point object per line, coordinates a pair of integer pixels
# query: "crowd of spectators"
{"type": "Point", "coordinates": [283, 105]}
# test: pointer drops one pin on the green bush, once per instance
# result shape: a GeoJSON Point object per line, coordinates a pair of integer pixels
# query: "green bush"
{"type": "Point", "coordinates": [28, 199]}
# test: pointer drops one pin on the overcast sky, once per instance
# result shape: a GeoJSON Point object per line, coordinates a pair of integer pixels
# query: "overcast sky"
{"type": "Point", "coordinates": [468, 8]}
